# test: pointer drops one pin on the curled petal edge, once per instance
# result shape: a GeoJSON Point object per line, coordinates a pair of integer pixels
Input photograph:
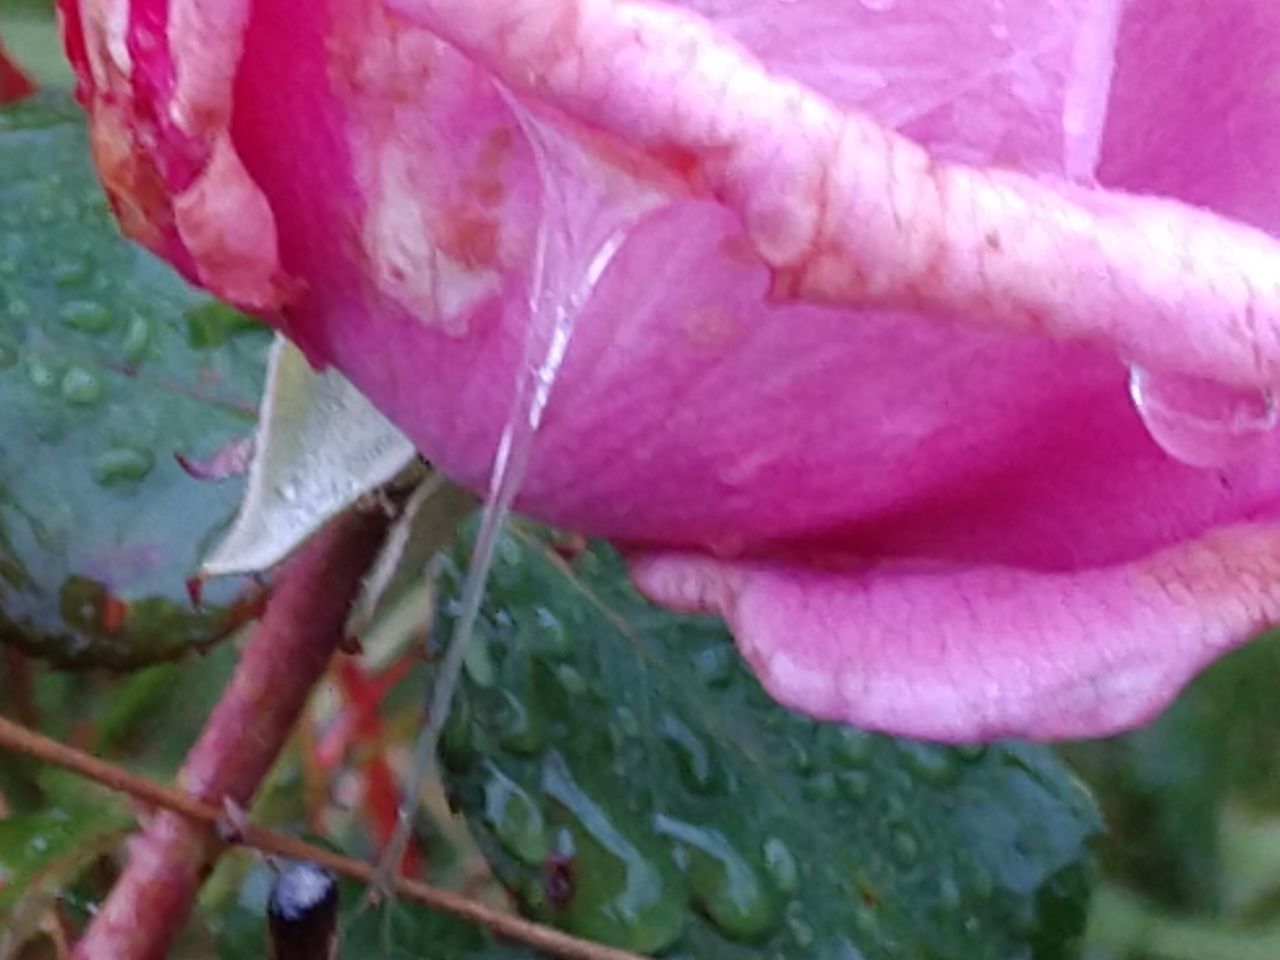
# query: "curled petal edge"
{"type": "Point", "coordinates": [984, 653]}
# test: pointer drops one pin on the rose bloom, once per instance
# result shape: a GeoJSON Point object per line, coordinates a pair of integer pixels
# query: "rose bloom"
{"type": "Point", "coordinates": [927, 342]}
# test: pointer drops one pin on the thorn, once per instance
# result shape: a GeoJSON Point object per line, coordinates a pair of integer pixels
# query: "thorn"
{"type": "Point", "coordinates": [351, 645]}
{"type": "Point", "coordinates": [234, 822]}
{"type": "Point", "coordinates": [195, 591]}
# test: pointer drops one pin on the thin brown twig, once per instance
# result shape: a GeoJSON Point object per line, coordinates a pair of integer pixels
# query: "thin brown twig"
{"type": "Point", "coordinates": [15, 737]}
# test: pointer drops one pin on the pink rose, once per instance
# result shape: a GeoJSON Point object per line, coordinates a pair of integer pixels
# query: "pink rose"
{"type": "Point", "coordinates": [864, 289]}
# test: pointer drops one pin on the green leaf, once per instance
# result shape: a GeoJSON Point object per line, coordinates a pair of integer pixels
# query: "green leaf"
{"type": "Point", "coordinates": [30, 34]}
{"type": "Point", "coordinates": [42, 853]}
{"type": "Point", "coordinates": [1175, 792]}
{"type": "Point", "coordinates": [631, 782]}
{"type": "Point", "coordinates": [109, 366]}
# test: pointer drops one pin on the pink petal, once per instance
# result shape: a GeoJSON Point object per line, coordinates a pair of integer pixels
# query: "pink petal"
{"type": "Point", "coordinates": [984, 652]}
{"type": "Point", "coordinates": [1193, 109]}
{"type": "Point", "coordinates": [848, 212]}
{"type": "Point", "coordinates": [158, 85]}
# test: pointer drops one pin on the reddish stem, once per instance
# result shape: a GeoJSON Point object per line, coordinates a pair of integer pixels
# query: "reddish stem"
{"type": "Point", "coordinates": [288, 653]}
{"type": "Point", "coordinates": [14, 84]}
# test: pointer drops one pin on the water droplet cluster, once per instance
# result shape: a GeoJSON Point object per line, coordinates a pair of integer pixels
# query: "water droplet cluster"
{"type": "Point", "coordinates": [659, 801]}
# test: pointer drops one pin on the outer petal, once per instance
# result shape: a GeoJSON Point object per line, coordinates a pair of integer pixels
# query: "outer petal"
{"type": "Point", "coordinates": [157, 81]}
{"type": "Point", "coordinates": [989, 652]}
{"type": "Point", "coordinates": [848, 212]}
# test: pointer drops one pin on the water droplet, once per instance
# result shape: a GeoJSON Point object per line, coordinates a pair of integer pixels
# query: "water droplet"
{"type": "Point", "coordinates": [137, 338]}
{"type": "Point", "coordinates": [949, 895]}
{"type": "Point", "coordinates": [42, 375]}
{"type": "Point", "coordinates": [905, 846]}
{"type": "Point", "coordinates": [895, 807]}
{"type": "Point", "coordinates": [288, 492]}
{"type": "Point", "coordinates": [478, 661]}
{"type": "Point", "coordinates": [457, 740]}
{"type": "Point", "coordinates": [937, 766]}
{"type": "Point", "coordinates": [822, 786]}
{"type": "Point", "coordinates": [121, 465]}
{"type": "Point", "coordinates": [627, 722]}
{"type": "Point", "coordinates": [801, 755]}
{"type": "Point", "coordinates": [571, 680]}
{"type": "Point", "coordinates": [865, 921]}
{"type": "Point", "coordinates": [971, 752]}
{"type": "Point", "coordinates": [800, 928]}
{"type": "Point", "coordinates": [515, 818]}
{"type": "Point", "coordinates": [724, 883]}
{"type": "Point", "coordinates": [70, 273]}
{"type": "Point", "coordinates": [81, 386]}
{"type": "Point", "coordinates": [853, 747]}
{"type": "Point", "coordinates": [781, 864]}
{"type": "Point", "coordinates": [981, 882]}
{"type": "Point", "coordinates": [1202, 423]}
{"type": "Point", "coordinates": [715, 665]}
{"type": "Point", "coordinates": [854, 784]}
{"type": "Point", "coordinates": [550, 638]}
{"type": "Point", "coordinates": [694, 759]}
{"type": "Point", "coordinates": [523, 729]}
{"type": "Point", "coordinates": [627, 891]}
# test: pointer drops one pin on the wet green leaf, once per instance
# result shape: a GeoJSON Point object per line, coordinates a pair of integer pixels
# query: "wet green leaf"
{"type": "Point", "coordinates": [31, 36]}
{"type": "Point", "coordinates": [42, 853]}
{"type": "Point", "coordinates": [109, 366]}
{"type": "Point", "coordinates": [631, 782]}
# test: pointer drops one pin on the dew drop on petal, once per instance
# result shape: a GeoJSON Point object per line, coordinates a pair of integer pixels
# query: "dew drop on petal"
{"type": "Point", "coordinates": [1200, 422]}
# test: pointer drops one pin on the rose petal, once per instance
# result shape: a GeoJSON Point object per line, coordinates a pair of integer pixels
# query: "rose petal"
{"type": "Point", "coordinates": [848, 212]}
{"type": "Point", "coordinates": [1194, 106]}
{"type": "Point", "coordinates": [983, 653]}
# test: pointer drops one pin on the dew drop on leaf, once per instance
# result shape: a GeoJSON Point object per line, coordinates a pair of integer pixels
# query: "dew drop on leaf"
{"type": "Point", "coordinates": [853, 747]}
{"type": "Point", "coordinates": [781, 864]}
{"type": "Point", "coordinates": [87, 317]}
{"type": "Point", "coordinates": [695, 761]}
{"type": "Point", "coordinates": [122, 465]}
{"type": "Point", "coordinates": [81, 386]}
{"type": "Point", "coordinates": [725, 884]}
{"type": "Point", "coordinates": [515, 818]}
{"type": "Point", "coordinates": [854, 784]}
